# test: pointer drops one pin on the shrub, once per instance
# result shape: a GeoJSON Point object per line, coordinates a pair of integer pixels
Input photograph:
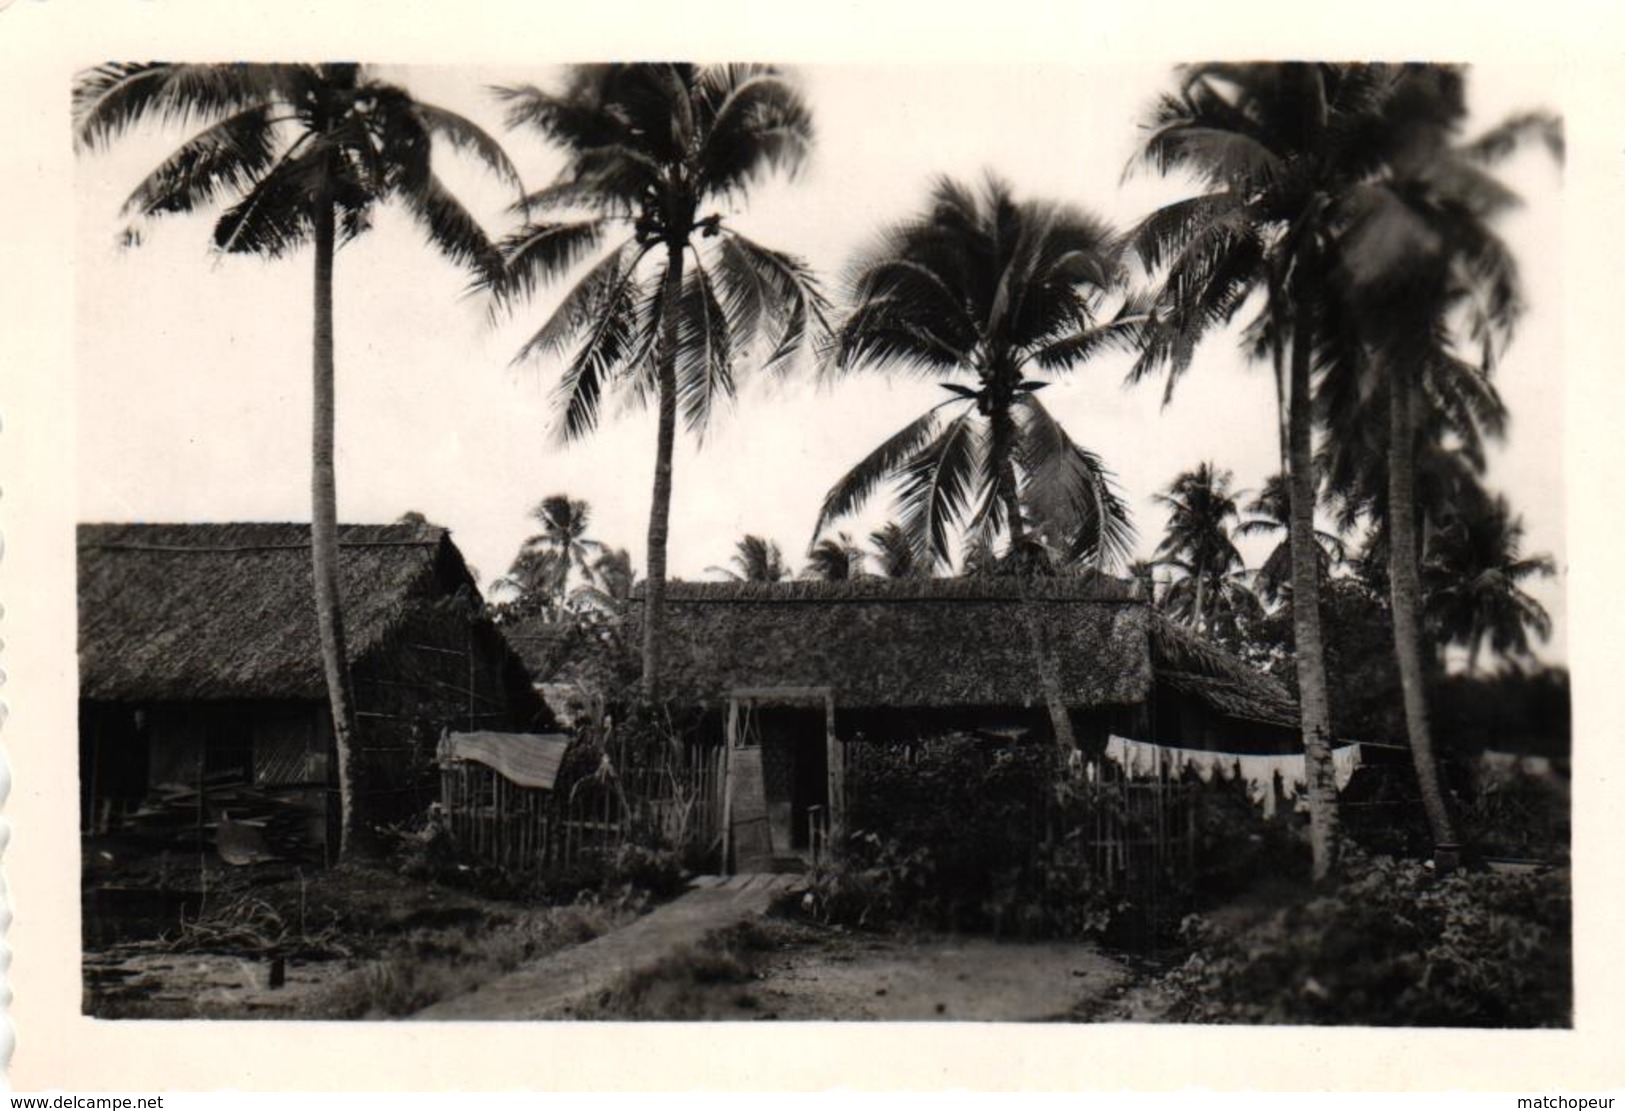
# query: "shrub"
{"type": "Point", "coordinates": [872, 882]}
{"type": "Point", "coordinates": [1518, 815]}
{"type": "Point", "coordinates": [959, 832]}
{"type": "Point", "coordinates": [1392, 945]}
{"type": "Point", "coordinates": [658, 871]}
{"type": "Point", "coordinates": [1237, 849]}
{"type": "Point", "coordinates": [963, 833]}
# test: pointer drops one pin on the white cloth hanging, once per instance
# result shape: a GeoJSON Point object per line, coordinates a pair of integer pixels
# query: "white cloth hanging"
{"type": "Point", "coordinates": [1146, 758]}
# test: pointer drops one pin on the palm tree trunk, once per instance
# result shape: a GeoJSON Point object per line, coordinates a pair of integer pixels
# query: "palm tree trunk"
{"type": "Point", "coordinates": [324, 546]}
{"type": "Point", "coordinates": [1405, 584]}
{"type": "Point", "coordinates": [1201, 596]}
{"type": "Point", "coordinates": [1049, 671]}
{"type": "Point", "coordinates": [654, 606]}
{"type": "Point", "coordinates": [1313, 700]}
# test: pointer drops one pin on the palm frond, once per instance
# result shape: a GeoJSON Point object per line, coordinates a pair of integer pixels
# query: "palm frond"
{"type": "Point", "coordinates": [582, 303]}
{"type": "Point", "coordinates": [1069, 488]}
{"type": "Point", "coordinates": [1124, 332]}
{"type": "Point", "coordinates": [539, 253]}
{"type": "Point", "coordinates": [275, 215]}
{"type": "Point", "coordinates": [575, 122]}
{"type": "Point", "coordinates": [704, 351]}
{"type": "Point", "coordinates": [110, 99]}
{"type": "Point", "coordinates": [1507, 137]}
{"type": "Point", "coordinates": [225, 158]}
{"type": "Point", "coordinates": [467, 137]}
{"type": "Point", "coordinates": [611, 335]}
{"type": "Point", "coordinates": [939, 484]}
{"type": "Point", "coordinates": [453, 230]}
{"type": "Point", "coordinates": [761, 126]}
{"type": "Point", "coordinates": [880, 465]}
{"type": "Point", "coordinates": [762, 286]}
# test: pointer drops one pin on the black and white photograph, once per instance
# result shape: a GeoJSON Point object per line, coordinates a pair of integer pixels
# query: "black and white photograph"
{"type": "Point", "coordinates": [804, 542]}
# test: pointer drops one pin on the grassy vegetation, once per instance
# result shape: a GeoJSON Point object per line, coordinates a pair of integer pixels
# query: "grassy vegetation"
{"type": "Point", "coordinates": [357, 942]}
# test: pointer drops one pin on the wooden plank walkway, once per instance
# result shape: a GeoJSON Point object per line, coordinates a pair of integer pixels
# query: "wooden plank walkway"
{"type": "Point", "coordinates": [549, 987]}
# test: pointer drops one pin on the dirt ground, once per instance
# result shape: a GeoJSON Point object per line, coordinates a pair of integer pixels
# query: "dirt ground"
{"type": "Point", "coordinates": [352, 943]}
{"type": "Point", "coordinates": [779, 969]}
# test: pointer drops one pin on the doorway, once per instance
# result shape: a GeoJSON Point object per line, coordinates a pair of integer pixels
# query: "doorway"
{"type": "Point", "coordinates": [782, 750]}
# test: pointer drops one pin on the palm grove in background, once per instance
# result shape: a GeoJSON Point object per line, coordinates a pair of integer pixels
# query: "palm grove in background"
{"type": "Point", "coordinates": [1336, 199]}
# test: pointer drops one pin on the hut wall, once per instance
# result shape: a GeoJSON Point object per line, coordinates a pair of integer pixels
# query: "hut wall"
{"type": "Point", "coordinates": [1185, 721]}
{"type": "Point", "coordinates": [276, 742]}
{"type": "Point", "coordinates": [444, 668]}
{"type": "Point", "coordinates": [113, 762]}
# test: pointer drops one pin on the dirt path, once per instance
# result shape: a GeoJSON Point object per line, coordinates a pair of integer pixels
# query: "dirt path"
{"type": "Point", "coordinates": [942, 978]}
{"type": "Point", "coordinates": [550, 987]}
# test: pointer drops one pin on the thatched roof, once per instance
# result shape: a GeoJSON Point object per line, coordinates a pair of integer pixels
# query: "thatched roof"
{"type": "Point", "coordinates": [906, 642]}
{"type": "Point", "coordinates": [180, 612]}
{"type": "Point", "coordinates": [1194, 666]}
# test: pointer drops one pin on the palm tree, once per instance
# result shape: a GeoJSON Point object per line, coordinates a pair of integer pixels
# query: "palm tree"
{"type": "Point", "coordinates": [608, 585]}
{"type": "Point", "coordinates": [1426, 276]}
{"type": "Point", "coordinates": [755, 560]}
{"type": "Point", "coordinates": [894, 552]}
{"type": "Point", "coordinates": [994, 291]}
{"type": "Point", "coordinates": [1143, 574]}
{"type": "Point", "coordinates": [1271, 515]}
{"type": "Point", "coordinates": [564, 522]}
{"type": "Point", "coordinates": [834, 559]}
{"type": "Point", "coordinates": [1275, 147]}
{"type": "Point", "coordinates": [534, 585]}
{"type": "Point", "coordinates": [1196, 541]}
{"type": "Point", "coordinates": [1472, 577]}
{"type": "Point", "coordinates": [648, 146]}
{"type": "Point", "coordinates": [298, 154]}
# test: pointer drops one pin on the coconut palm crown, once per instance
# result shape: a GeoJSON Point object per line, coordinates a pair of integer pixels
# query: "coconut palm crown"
{"type": "Point", "coordinates": [755, 560]}
{"type": "Point", "coordinates": [1197, 542]}
{"type": "Point", "coordinates": [991, 294]}
{"type": "Point", "coordinates": [272, 138]}
{"type": "Point", "coordinates": [656, 153]}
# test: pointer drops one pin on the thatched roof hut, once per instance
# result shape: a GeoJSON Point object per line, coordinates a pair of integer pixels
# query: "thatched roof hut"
{"type": "Point", "coordinates": [1200, 668]}
{"type": "Point", "coordinates": [200, 666]}
{"type": "Point", "coordinates": [929, 643]}
{"type": "Point", "coordinates": [941, 644]}
{"type": "Point", "coordinates": [227, 611]}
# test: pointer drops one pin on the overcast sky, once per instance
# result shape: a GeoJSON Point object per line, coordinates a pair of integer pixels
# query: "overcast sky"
{"type": "Point", "coordinates": [193, 369]}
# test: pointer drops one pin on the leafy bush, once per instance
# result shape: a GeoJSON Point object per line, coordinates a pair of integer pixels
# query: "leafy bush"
{"type": "Point", "coordinates": [658, 871]}
{"type": "Point", "coordinates": [1520, 815]}
{"type": "Point", "coordinates": [1236, 849]}
{"type": "Point", "coordinates": [873, 882]}
{"type": "Point", "coordinates": [961, 833]}
{"type": "Point", "coordinates": [1391, 946]}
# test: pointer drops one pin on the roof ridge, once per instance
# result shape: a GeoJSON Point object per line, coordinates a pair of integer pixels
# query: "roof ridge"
{"type": "Point", "coordinates": [879, 589]}
{"type": "Point", "coordinates": [137, 546]}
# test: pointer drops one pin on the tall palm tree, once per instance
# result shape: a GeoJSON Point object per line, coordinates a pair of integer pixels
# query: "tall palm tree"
{"type": "Point", "coordinates": [1197, 539]}
{"type": "Point", "coordinates": [834, 559]}
{"type": "Point", "coordinates": [995, 292]}
{"type": "Point", "coordinates": [1472, 577]}
{"type": "Point", "coordinates": [297, 154]}
{"type": "Point", "coordinates": [1274, 146]}
{"type": "Point", "coordinates": [1271, 515]}
{"type": "Point", "coordinates": [647, 147]}
{"type": "Point", "coordinates": [1426, 277]}
{"type": "Point", "coordinates": [755, 560]}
